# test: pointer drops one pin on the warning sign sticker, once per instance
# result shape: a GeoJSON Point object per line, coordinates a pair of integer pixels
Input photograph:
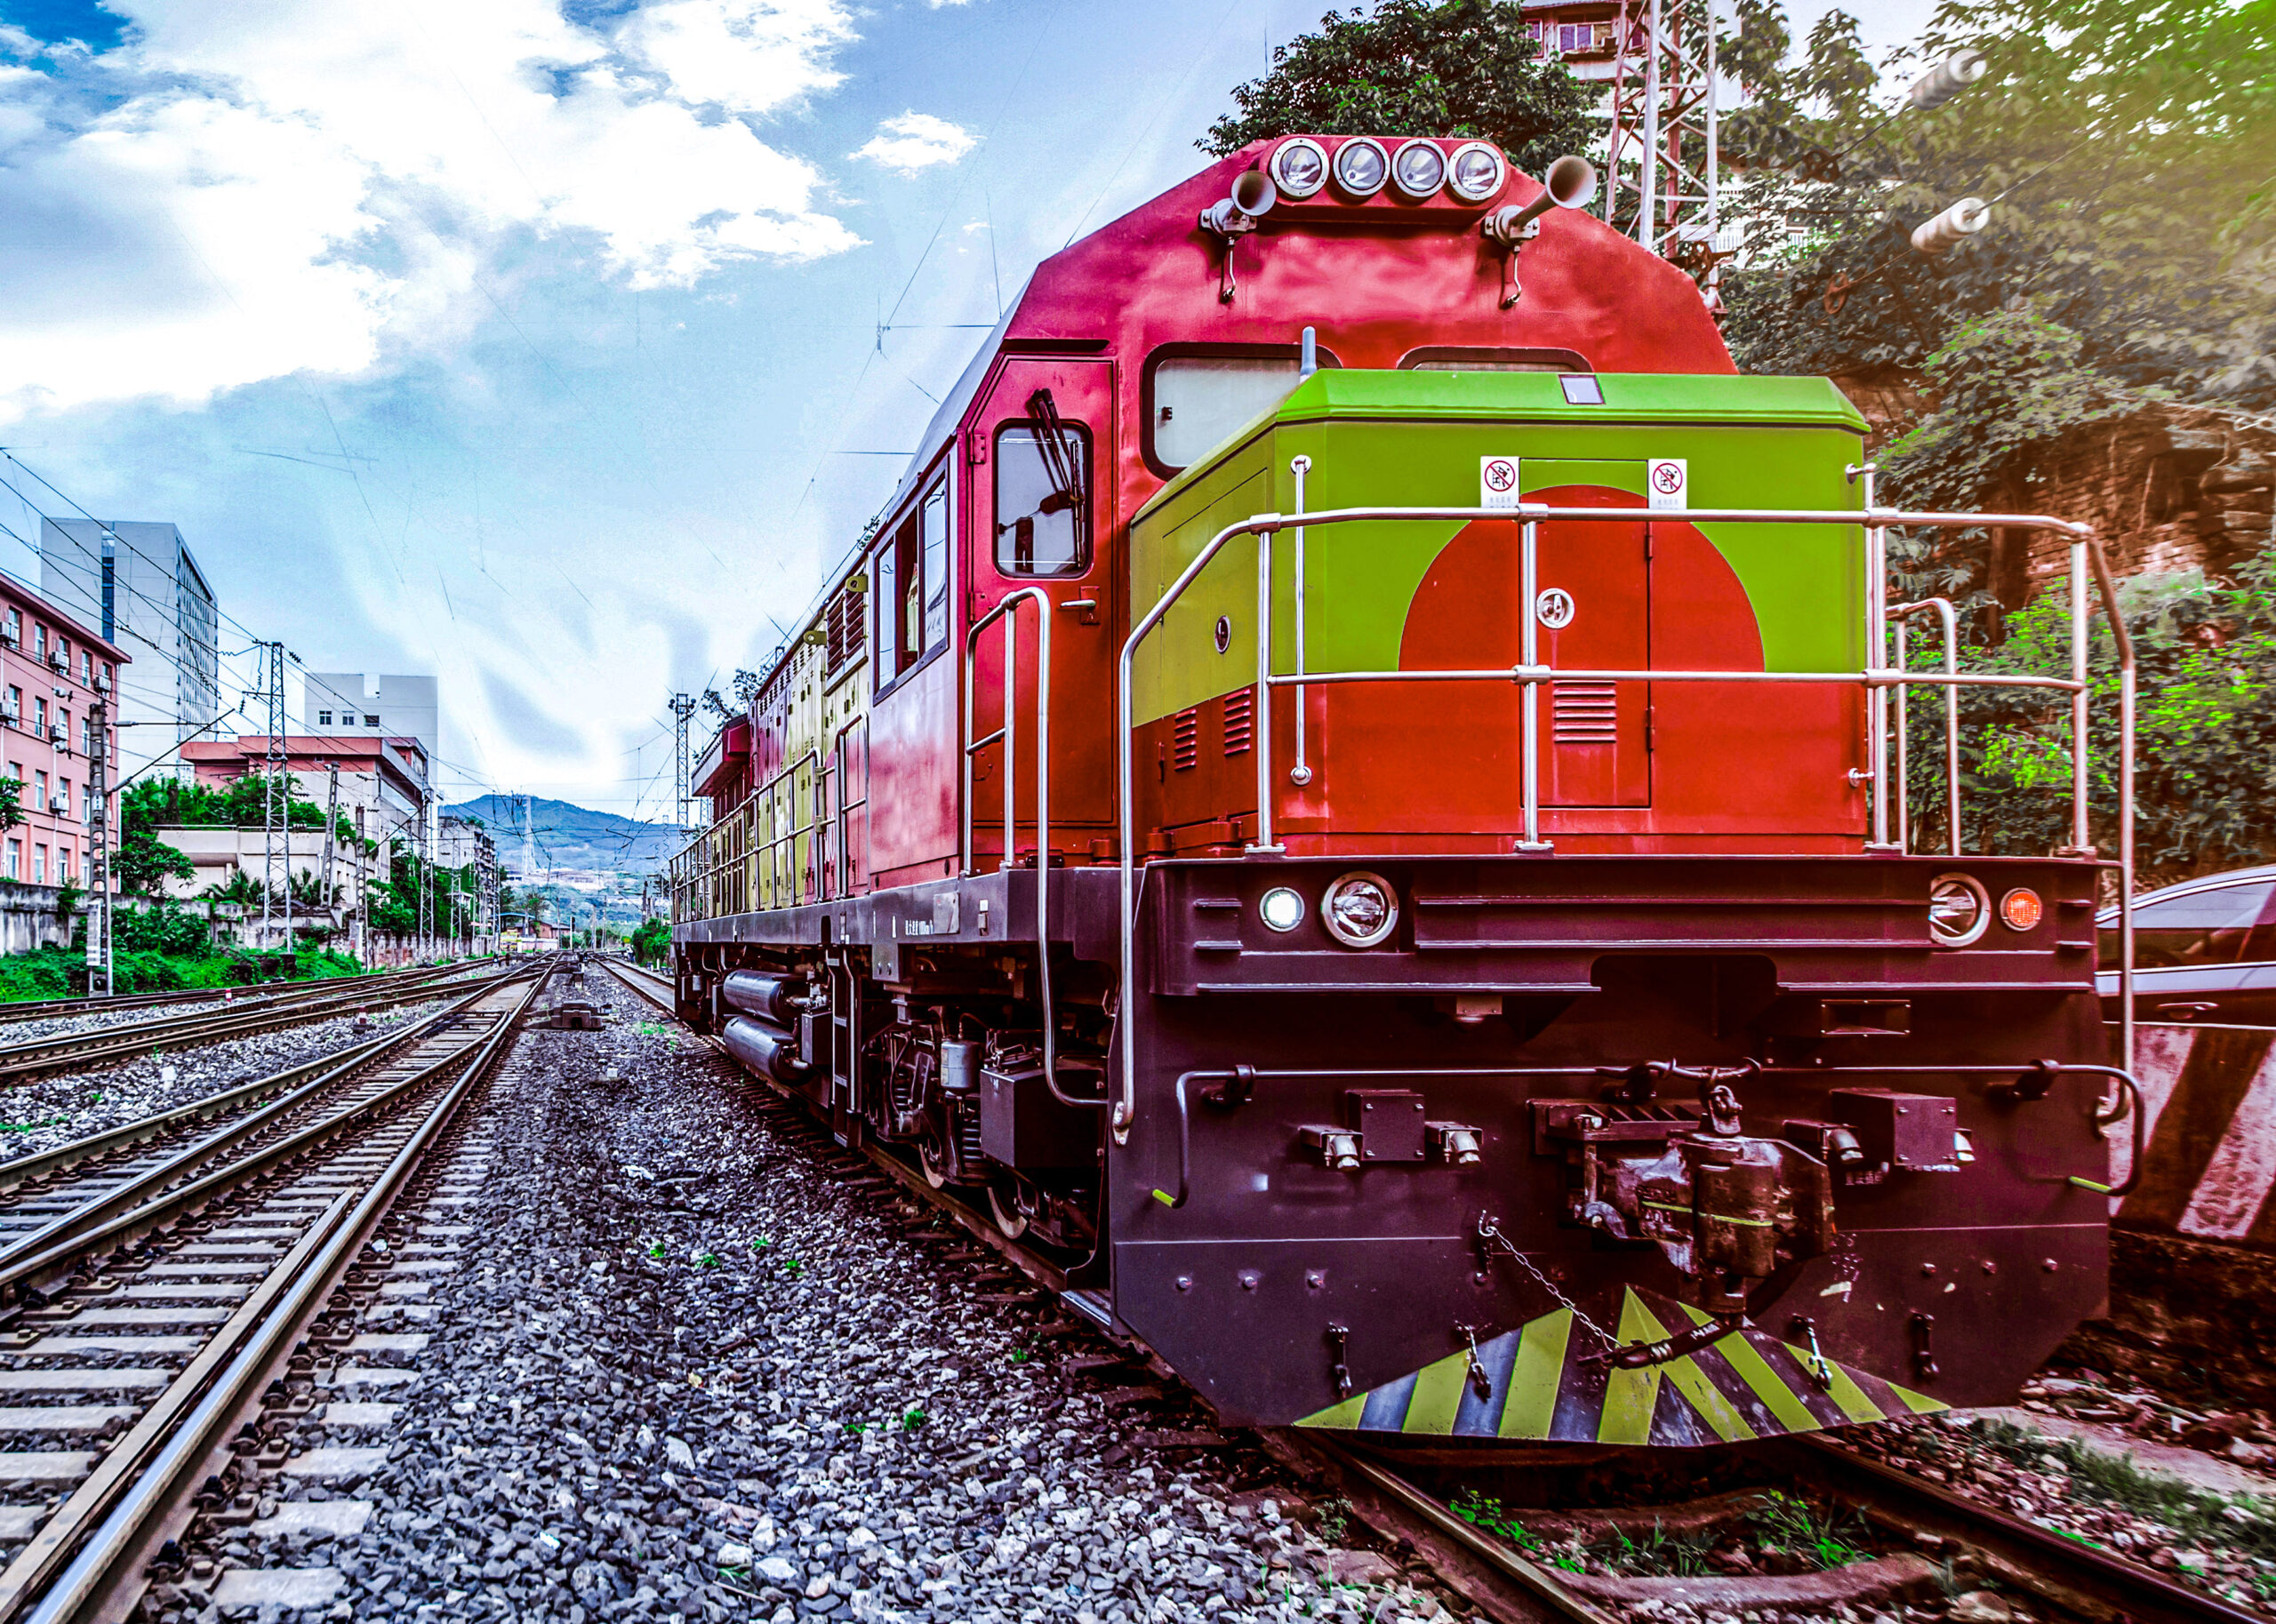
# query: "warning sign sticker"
{"type": "Point", "coordinates": [1497, 482]}
{"type": "Point", "coordinates": [1668, 481]}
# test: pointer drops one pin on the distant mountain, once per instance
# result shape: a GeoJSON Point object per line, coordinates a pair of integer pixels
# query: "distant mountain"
{"type": "Point", "coordinates": [571, 837]}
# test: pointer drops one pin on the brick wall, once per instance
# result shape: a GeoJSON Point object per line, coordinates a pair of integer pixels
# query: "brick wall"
{"type": "Point", "coordinates": [2168, 488]}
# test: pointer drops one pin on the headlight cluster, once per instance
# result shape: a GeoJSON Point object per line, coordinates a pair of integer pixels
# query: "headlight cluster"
{"type": "Point", "coordinates": [1362, 167]}
{"type": "Point", "coordinates": [1359, 910]}
{"type": "Point", "coordinates": [1960, 910]}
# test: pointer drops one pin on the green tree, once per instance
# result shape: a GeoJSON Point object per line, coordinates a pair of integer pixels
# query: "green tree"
{"type": "Point", "coordinates": [2124, 150]}
{"type": "Point", "coordinates": [12, 802]}
{"type": "Point", "coordinates": [652, 941]}
{"type": "Point", "coordinates": [1460, 68]}
{"type": "Point", "coordinates": [143, 862]}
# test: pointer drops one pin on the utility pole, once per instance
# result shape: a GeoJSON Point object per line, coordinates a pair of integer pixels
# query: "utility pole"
{"type": "Point", "coordinates": [98, 904]}
{"type": "Point", "coordinates": [358, 936]}
{"type": "Point", "coordinates": [422, 857]}
{"type": "Point", "coordinates": [331, 826]}
{"type": "Point", "coordinates": [683, 710]}
{"type": "Point", "coordinates": [274, 804]}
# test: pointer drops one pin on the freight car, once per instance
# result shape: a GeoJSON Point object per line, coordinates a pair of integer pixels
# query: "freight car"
{"type": "Point", "coordinates": [1347, 802]}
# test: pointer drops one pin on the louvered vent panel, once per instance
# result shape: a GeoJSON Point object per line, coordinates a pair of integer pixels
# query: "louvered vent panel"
{"type": "Point", "coordinates": [1185, 740]}
{"type": "Point", "coordinates": [844, 628]}
{"type": "Point", "coordinates": [1583, 713]}
{"type": "Point", "coordinates": [1240, 721]}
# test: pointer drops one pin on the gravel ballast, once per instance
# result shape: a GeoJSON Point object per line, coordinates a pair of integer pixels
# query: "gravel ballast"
{"type": "Point", "coordinates": [671, 1368]}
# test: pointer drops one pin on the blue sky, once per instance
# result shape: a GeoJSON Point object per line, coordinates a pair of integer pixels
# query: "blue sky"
{"type": "Point", "coordinates": [535, 342]}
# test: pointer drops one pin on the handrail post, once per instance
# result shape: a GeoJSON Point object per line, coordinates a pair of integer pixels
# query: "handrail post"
{"type": "Point", "coordinates": [2082, 831]}
{"type": "Point", "coordinates": [1951, 618]}
{"type": "Point", "coordinates": [1010, 741]}
{"type": "Point", "coordinates": [1876, 585]}
{"type": "Point", "coordinates": [1529, 717]}
{"type": "Point", "coordinates": [1301, 773]}
{"type": "Point", "coordinates": [1265, 845]}
{"type": "Point", "coordinates": [1895, 657]}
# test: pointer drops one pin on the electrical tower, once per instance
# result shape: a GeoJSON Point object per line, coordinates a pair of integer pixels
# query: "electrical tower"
{"type": "Point", "coordinates": [683, 712]}
{"type": "Point", "coordinates": [1663, 185]}
{"type": "Point", "coordinates": [275, 802]}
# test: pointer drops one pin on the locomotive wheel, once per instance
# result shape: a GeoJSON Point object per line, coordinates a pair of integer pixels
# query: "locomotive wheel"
{"type": "Point", "coordinates": [928, 1161]}
{"type": "Point", "coordinates": [1004, 1206]}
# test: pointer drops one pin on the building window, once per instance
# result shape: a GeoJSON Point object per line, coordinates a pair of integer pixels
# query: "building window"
{"type": "Point", "coordinates": [110, 673]}
{"type": "Point", "coordinates": [39, 864]}
{"type": "Point", "coordinates": [39, 717]}
{"type": "Point", "coordinates": [39, 793]}
{"type": "Point", "coordinates": [324, 718]}
{"type": "Point", "coordinates": [15, 704]}
{"type": "Point", "coordinates": [63, 725]}
{"type": "Point", "coordinates": [63, 798]}
{"type": "Point", "coordinates": [371, 721]}
{"type": "Point", "coordinates": [63, 864]}
{"type": "Point", "coordinates": [15, 859]}
{"type": "Point", "coordinates": [87, 667]}
{"type": "Point", "coordinates": [15, 629]}
{"type": "Point", "coordinates": [39, 640]}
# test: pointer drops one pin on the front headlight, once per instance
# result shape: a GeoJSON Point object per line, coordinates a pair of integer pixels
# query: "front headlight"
{"type": "Point", "coordinates": [1960, 910]}
{"type": "Point", "coordinates": [1476, 172]}
{"type": "Point", "coordinates": [1362, 167]}
{"type": "Point", "coordinates": [1360, 909]}
{"type": "Point", "coordinates": [1419, 170]}
{"type": "Point", "coordinates": [1281, 909]}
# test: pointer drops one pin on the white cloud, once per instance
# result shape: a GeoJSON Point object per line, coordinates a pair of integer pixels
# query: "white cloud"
{"type": "Point", "coordinates": [915, 141]}
{"type": "Point", "coordinates": [255, 188]}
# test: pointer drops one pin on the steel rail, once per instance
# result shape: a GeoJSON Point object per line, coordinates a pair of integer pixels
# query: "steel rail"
{"type": "Point", "coordinates": [2129, 1590]}
{"type": "Point", "coordinates": [327, 1069]}
{"type": "Point", "coordinates": [42, 1055]}
{"type": "Point", "coordinates": [135, 1212]}
{"type": "Point", "coordinates": [79, 1557]}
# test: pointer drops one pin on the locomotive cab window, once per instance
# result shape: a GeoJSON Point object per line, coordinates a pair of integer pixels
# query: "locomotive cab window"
{"type": "Point", "coordinates": [1474, 358]}
{"type": "Point", "coordinates": [911, 573]}
{"type": "Point", "coordinates": [1196, 399]}
{"type": "Point", "coordinates": [1043, 496]}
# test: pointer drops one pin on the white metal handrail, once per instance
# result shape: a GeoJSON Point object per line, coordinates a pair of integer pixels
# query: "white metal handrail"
{"type": "Point", "coordinates": [1948, 618]}
{"type": "Point", "coordinates": [1876, 679]}
{"type": "Point", "coordinates": [1008, 736]}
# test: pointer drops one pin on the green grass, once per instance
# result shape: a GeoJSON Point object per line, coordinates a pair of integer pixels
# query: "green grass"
{"type": "Point", "coordinates": [61, 972]}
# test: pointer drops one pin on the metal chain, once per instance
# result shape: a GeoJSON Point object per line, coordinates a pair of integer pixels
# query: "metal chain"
{"type": "Point", "coordinates": [1489, 1236]}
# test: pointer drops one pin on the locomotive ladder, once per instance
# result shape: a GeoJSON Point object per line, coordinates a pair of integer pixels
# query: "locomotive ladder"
{"type": "Point", "coordinates": [1877, 678]}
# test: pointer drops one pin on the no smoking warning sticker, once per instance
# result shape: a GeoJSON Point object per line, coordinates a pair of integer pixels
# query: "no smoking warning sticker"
{"type": "Point", "coordinates": [1497, 482]}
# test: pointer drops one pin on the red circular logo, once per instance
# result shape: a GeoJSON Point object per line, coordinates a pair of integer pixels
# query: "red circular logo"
{"type": "Point", "coordinates": [1501, 474]}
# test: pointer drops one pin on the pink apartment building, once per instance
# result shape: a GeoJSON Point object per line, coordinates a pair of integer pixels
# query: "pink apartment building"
{"type": "Point", "coordinates": [51, 671]}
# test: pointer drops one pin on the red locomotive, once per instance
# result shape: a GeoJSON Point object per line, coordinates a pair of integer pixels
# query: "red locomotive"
{"type": "Point", "coordinates": [1346, 801]}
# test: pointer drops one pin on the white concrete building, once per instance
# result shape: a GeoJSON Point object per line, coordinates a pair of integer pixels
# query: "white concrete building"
{"type": "Point", "coordinates": [135, 583]}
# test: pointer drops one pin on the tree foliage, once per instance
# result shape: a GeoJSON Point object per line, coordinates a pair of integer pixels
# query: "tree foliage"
{"type": "Point", "coordinates": [2206, 757]}
{"type": "Point", "coordinates": [652, 941]}
{"type": "Point", "coordinates": [2125, 150]}
{"type": "Point", "coordinates": [1460, 68]}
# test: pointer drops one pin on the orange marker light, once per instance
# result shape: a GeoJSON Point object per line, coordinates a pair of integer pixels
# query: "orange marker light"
{"type": "Point", "coordinates": [2021, 909]}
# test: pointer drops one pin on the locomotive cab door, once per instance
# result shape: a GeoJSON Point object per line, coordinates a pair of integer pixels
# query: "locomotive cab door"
{"type": "Point", "coordinates": [1040, 457]}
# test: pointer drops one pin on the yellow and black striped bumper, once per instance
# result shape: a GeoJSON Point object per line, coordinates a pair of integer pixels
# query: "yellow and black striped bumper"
{"type": "Point", "coordinates": [1543, 1382]}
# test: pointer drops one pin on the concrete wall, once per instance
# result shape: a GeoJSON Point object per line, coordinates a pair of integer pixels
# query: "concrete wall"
{"type": "Point", "coordinates": [27, 919]}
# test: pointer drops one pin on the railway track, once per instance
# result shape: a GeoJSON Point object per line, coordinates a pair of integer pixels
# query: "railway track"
{"type": "Point", "coordinates": [46, 1197]}
{"type": "Point", "coordinates": [19, 1011]}
{"type": "Point", "coordinates": [1406, 1501]}
{"type": "Point", "coordinates": [22, 1061]}
{"type": "Point", "coordinates": [149, 1330]}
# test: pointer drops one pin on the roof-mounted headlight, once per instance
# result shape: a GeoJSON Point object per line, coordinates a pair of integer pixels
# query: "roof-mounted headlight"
{"type": "Point", "coordinates": [1362, 167]}
{"type": "Point", "coordinates": [1476, 171]}
{"type": "Point", "coordinates": [1418, 170]}
{"type": "Point", "coordinates": [1299, 167]}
